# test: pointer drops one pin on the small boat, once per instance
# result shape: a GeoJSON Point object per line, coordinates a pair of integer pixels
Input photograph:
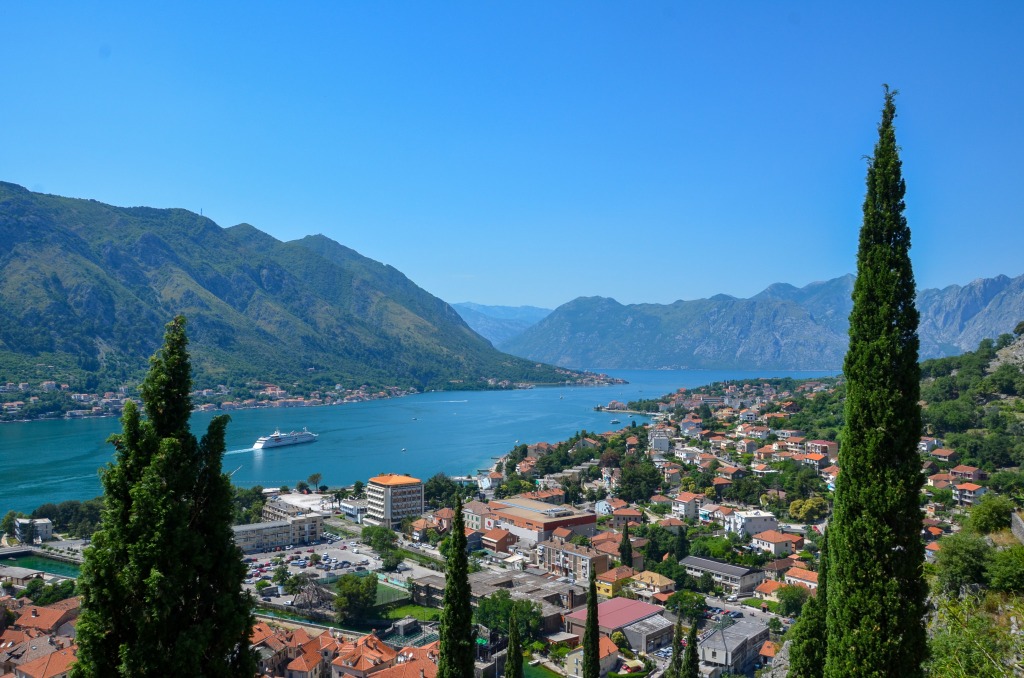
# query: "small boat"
{"type": "Point", "coordinates": [615, 421]}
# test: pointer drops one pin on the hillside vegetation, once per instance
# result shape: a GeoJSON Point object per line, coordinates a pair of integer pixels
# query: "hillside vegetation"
{"type": "Point", "coordinates": [86, 288]}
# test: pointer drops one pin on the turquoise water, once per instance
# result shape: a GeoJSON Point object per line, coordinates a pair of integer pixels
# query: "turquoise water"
{"type": "Point", "coordinates": [43, 564]}
{"type": "Point", "coordinates": [454, 432]}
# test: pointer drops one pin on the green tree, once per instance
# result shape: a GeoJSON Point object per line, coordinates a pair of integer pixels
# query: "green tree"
{"type": "Point", "coordinates": [691, 660]}
{"type": "Point", "coordinates": [792, 600]}
{"type": "Point", "coordinates": [514, 654]}
{"type": "Point", "coordinates": [591, 634]}
{"type": "Point", "coordinates": [681, 545]}
{"type": "Point", "coordinates": [355, 596]}
{"type": "Point", "coordinates": [162, 584]}
{"type": "Point", "coordinates": [497, 610]}
{"type": "Point", "coordinates": [626, 548]}
{"type": "Point", "coordinates": [876, 597]}
{"type": "Point", "coordinates": [1006, 570]}
{"type": "Point", "coordinates": [962, 562]}
{"type": "Point", "coordinates": [456, 650]}
{"type": "Point", "coordinates": [807, 652]}
{"type": "Point", "coordinates": [990, 514]}
{"type": "Point", "coordinates": [314, 480]}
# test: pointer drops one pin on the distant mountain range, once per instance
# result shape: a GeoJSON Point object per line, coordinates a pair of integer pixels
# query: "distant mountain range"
{"type": "Point", "coordinates": [783, 327]}
{"type": "Point", "coordinates": [499, 324]}
{"type": "Point", "coordinates": [86, 288]}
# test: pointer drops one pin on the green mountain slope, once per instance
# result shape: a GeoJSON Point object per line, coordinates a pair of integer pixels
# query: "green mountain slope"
{"type": "Point", "coordinates": [87, 287]}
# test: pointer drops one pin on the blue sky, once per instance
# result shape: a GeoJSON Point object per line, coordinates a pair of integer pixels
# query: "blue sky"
{"type": "Point", "coordinates": [530, 153]}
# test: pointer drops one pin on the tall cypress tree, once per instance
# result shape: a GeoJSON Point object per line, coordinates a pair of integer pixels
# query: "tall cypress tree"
{"type": "Point", "coordinates": [876, 593]}
{"type": "Point", "coordinates": [591, 634]}
{"type": "Point", "coordinates": [514, 654]}
{"type": "Point", "coordinates": [809, 634]}
{"type": "Point", "coordinates": [456, 651]}
{"type": "Point", "coordinates": [691, 660]}
{"type": "Point", "coordinates": [626, 548]}
{"type": "Point", "coordinates": [162, 584]}
{"type": "Point", "coordinates": [681, 545]}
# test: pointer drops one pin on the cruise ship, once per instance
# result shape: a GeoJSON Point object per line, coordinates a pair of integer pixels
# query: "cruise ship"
{"type": "Point", "coordinates": [278, 439]}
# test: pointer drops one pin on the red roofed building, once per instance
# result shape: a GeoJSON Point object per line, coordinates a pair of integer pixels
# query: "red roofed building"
{"type": "Point", "coordinates": [57, 664]}
{"type": "Point", "coordinates": [968, 494]}
{"type": "Point", "coordinates": [777, 543]}
{"type": "Point", "coordinates": [623, 614]}
{"type": "Point", "coordinates": [798, 576]}
{"type": "Point", "coordinates": [499, 540]}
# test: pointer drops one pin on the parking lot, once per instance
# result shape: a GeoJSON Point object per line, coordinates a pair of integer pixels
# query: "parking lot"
{"type": "Point", "coordinates": [336, 557]}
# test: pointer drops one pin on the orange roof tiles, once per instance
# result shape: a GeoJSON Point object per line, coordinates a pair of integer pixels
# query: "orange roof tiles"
{"type": "Point", "coordinates": [392, 479]}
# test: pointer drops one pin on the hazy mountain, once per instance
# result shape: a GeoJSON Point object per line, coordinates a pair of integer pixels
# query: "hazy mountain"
{"type": "Point", "coordinates": [783, 327]}
{"type": "Point", "coordinates": [499, 324]}
{"type": "Point", "coordinates": [86, 288]}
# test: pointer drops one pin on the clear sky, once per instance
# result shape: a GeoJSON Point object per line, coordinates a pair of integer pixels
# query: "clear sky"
{"type": "Point", "coordinates": [529, 153]}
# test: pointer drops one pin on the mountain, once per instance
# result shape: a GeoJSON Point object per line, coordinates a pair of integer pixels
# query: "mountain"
{"type": "Point", "coordinates": [85, 289]}
{"type": "Point", "coordinates": [782, 327]}
{"type": "Point", "coordinates": [500, 324]}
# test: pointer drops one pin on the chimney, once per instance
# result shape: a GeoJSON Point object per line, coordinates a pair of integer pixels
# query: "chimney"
{"type": "Point", "coordinates": [421, 674]}
{"type": "Point", "coordinates": [35, 612]}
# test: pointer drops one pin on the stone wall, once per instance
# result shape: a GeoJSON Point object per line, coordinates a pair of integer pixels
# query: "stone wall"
{"type": "Point", "coordinates": [1017, 525]}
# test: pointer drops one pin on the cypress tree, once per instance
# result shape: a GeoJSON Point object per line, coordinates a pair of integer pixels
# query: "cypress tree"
{"type": "Point", "coordinates": [626, 548]}
{"type": "Point", "coordinates": [876, 592]}
{"type": "Point", "coordinates": [807, 651]}
{"type": "Point", "coordinates": [162, 584]}
{"type": "Point", "coordinates": [514, 654]}
{"type": "Point", "coordinates": [456, 651]}
{"type": "Point", "coordinates": [591, 634]}
{"type": "Point", "coordinates": [691, 661]}
{"type": "Point", "coordinates": [681, 546]}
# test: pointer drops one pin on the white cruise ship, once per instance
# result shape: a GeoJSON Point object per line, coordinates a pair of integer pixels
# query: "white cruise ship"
{"type": "Point", "coordinates": [278, 439]}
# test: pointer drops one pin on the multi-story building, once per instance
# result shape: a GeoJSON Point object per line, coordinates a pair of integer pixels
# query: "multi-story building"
{"type": "Point", "coordinates": [732, 578]}
{"type": "Point", "coordinates": [566, 559]}
{"type": "Point", "coordinates": [392, 497]}
{"type": "Point", "coordinates": [734, 648]}
{"type": "Point", "coordinates": [750, 522]}
{"type": "Point", "coordinates": [267, 536]}
{"type": "Point", "coordinates": [534, 521]}
{"type": "Point", "coordinates": [30, 529]}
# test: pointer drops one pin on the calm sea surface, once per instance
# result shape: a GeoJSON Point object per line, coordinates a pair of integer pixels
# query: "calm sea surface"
{"type": "Point", "coordinates": [454, 432]}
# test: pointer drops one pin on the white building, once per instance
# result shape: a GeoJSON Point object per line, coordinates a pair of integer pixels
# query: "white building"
{"type": "Point", "coordinates": [30, 529]}
{"type": "Point", "coordinates": [392, 497]}
{"type": "Point", "coordinates": [750, 522]}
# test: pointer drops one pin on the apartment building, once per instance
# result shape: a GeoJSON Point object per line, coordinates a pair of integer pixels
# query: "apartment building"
{"type": "Point", "coordinates": [392, 497]}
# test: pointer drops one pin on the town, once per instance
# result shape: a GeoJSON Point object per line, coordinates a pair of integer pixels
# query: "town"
{"type": "Point", "coordinates": [714, 512]}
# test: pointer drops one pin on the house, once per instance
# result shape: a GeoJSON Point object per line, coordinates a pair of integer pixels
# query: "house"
{"type": "Point", "coordinates": [608, 658]}
{"type": "Point", "coordinates": [767, 654]}
{"type": "Point", "coordinates": [474, 514]}
{"type": "Point", "coordinates": [926, 445]}
{"type": "Point", "coordinates": [56, 664]}
{"type": "Point", "coordinates": [968, 494]}
{"type": "Point", "coordinates": [363, 657]}
{"type": "Point", "coordinates": [944, 454]}
{"type": "Point", "coordinates": [798, 576]}
{"type": "Point", "coordinates": [47, 619]}
{"type": "Point", "coordinates": [963, 472]}
{"type": "Point", "coordinates": [609, 583]}
{"type": "Point", "coordinates": [750, 522]}
{"type": "Point", "coordinates": [474, 539]}
{"type": "Point", "coordinates": [647, 584]}
{"type": "Point", "coordinates": [829, 448]}
{"type": "Point", "coordinates": [768, 590]}
{"type": "Point", "coordinates": [498, 540]}
{"type": "Point", "coordinates": [605, 507]}
{"type": "Point", "coordinates": [686, 504]}
{"type": "Point", "coordinates": [626, 516]}
{"type": "Point", "coordinates": [671, 524]}
{"type": "Point", "coordinates": [777, 543]}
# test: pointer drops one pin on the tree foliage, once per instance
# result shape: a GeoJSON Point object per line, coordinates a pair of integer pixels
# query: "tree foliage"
{"type": "Point", "coordinates": [162, 584]}
{"type": "Point", "coordinates": [514, 654]}
{"type": "Point", "coordinates": [876, 597]}
{"type": "Point", "coordinates": [456, 649]}
{"type": "Point", "coordinates": [355, 596]}
{"type": "Point", "coordinates": [498, 609]}
{"type": "Point", "coordinates": [809, 634]}
{"type": "Point", "coordinates": [591, 634]}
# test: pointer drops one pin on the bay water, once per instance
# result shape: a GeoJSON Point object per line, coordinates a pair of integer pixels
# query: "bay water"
{"type": "Point", "coordinates": [457, 432]}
